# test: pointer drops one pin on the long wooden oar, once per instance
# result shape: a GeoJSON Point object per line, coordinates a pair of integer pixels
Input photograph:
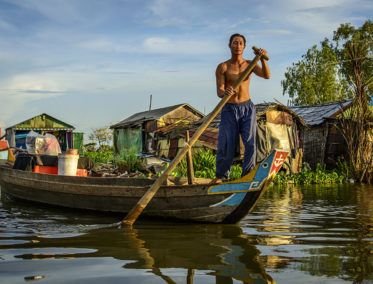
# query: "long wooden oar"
{"type": "Point", "coordinates": [143, 202]}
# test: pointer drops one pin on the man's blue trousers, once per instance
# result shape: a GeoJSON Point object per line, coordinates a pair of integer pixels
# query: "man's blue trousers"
{"type": "Point", "coordinates": [236, 119]}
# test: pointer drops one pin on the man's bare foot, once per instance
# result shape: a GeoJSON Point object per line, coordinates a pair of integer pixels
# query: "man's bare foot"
{"type": "Point", "coordinates": [216, 180]}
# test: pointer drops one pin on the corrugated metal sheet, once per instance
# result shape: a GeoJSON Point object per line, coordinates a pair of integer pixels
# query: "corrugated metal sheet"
{"type": "Point", "coordinates": [140, 117]}
{"type": "Point", "coordinates": [209, 137]}
{"type": "Point", "coordinates": [42, 122]}
{"type": "Point", "coordinates": [316, 114]}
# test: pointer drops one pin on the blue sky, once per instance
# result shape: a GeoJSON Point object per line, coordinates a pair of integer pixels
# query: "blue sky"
{"type": "Point", "coordinates": [92, 63]}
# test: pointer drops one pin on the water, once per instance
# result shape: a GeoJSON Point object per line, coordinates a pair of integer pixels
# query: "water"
{"type": "Point", "coordinates": [295, 235]}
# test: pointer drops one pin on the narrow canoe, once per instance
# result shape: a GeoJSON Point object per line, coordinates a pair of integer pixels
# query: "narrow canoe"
{"type": "Point", "coordinates": [227, 202]}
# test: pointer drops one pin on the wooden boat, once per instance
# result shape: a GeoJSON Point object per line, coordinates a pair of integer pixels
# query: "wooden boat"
{"type": "Point", "coordinates": [227, 202]}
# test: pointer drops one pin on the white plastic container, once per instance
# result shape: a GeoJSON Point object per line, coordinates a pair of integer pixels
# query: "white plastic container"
{"type": "Point", "coordinates": [67, 164]}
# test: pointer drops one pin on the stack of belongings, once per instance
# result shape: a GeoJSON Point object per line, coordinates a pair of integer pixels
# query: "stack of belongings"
{"type": "Point", "coordinates": [42, 156]}
{"type": "Point", "coordinates": [42, 144]}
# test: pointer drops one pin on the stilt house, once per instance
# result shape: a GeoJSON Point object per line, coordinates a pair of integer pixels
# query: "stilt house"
{"type": "Point", "coordinates": [322, 142]}
{"type": "Point", "coordinates": [42, 124]}
{"type": "Point", "coordinates": [154, 131]}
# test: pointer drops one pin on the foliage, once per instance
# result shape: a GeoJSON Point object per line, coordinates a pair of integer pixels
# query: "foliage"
{"type": "Point", "coordinates": [325, 74]}
{"type": "Point", "coordinates": [306, 176]}
{"type": "Point", "coordinates": [361, 38]}
{"type": "Point", "coordinates": [354, 48]}
{"type": "Point", "coordinates": [103, 136]}
{"type": "Point", "coordinates": [345, 62]}
{"type": "Point", "coordinates": [344, 168]}
{"type": "Point", "coordinates": [90, 147]}
{"type": "Point", "coordinates": [105, 148]}
{"type": "Point", "coordinates": [315, 78]}
{"type": "Point", "coordinates": [204, 165]}
{"type": "Point", "coordinates": [100, 157]}
{"type": "Point", "coordinates": [127, 161]}
{"type": "Point", "coordinates": [236, 172]}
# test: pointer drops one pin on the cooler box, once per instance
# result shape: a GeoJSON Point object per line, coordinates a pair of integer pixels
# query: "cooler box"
{"type": "Point", "coordinates": [46, 170]}
{"type": "Point", "coordinates": [54, 170]}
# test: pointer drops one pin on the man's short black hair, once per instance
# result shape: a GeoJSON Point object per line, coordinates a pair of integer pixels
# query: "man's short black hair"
{"type": "Point", "coordinates": [235, 35]}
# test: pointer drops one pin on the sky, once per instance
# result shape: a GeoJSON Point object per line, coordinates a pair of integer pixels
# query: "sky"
{"type": "Point", "coordinates": [92, 63]}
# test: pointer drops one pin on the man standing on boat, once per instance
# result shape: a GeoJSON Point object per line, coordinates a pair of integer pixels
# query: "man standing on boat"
{"type": "Point", "coordinates": [238, 116]}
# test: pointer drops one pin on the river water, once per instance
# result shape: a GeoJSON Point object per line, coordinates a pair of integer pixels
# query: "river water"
{"type": "Point", "coordinates": [313, 234]}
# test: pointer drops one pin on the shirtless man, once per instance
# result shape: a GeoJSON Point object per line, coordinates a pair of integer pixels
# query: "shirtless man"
{"type": "Point", "coordinates": [238, 116]}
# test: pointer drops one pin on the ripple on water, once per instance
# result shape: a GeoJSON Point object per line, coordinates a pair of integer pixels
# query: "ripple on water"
{"type": "Point", "coordinates": [13, 242]}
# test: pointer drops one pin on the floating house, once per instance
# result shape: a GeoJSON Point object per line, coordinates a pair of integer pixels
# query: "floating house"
{"type": "Point", "coordinates": [43, 124]}
{"type": "Point", "coordinates": [277, 127]}
{"type": "Point", "coordinates": [155, 131]}
{"type": "Point", "coordinates": [322, 142]}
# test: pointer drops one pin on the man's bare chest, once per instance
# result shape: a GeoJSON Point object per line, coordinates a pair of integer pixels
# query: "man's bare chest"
{"type": "Point", "coordinates": [231, 75]}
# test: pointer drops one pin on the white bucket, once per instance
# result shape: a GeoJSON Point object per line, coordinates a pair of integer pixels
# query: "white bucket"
{"type": "Point", "coordinates": [67, 164]}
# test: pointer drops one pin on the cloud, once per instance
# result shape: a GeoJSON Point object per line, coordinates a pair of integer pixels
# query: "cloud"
{"type": "Point", "coordinates": [34, 83]}
{"type": "Point", "coordinates": [5, 26]}
{"type": "Point", "coordinates": [14, 104]}
{"type": "Point", "coordinates": [317, 17]}
{"type": "Point", "coordinates": [318, 10]}
{"type": "Point", "coordinates": [274, 32]}
{"type": "Point", "coordinates": [163, 22]}
{"type": "Point", "coordinates": [106, 45]}
{"type": "Point", "coordinates": [167, 45]}
{"type": "Point", "coordinates": [65, 12]}
{"type": "Point", "coordinates": [24, 88]}
{"type": "Point", "coordinates": [56, 49]}
{"type": "Point", "coordinates": [175, 13]}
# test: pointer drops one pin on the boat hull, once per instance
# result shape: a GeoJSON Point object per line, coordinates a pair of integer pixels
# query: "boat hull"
{"type": "Point", "coordinates": [184, 202]}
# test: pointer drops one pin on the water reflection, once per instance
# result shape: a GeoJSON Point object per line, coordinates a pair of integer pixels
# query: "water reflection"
{"type": "Point", "coordinates": [307, 234]}
{"type": "Point", "coordinates": [171, 253]}
{"type": "Point", "coordinates": [320, 230]}
{"type": "Point", "coordinates": [221, 249]}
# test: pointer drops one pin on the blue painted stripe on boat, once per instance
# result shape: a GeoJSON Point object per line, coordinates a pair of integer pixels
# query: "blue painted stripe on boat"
{"type": "Point", "coordinates": [236, 187]}
{"type": "Point", "coordinates": [232, 200]}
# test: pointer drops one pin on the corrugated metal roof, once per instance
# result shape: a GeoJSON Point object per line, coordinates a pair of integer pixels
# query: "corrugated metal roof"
{"type": "Point", "coordinates": [42, 117]}
{"type": "Point", "coordinates": [209, 137]}
{"type": "Point", "coordinates": [140, 117]}
{"type": "Point", "coordinates": [316, 114]}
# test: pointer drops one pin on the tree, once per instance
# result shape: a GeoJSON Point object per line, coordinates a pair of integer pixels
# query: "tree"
{"type": "Point", "coordinates": [343, 68]}
{"type": "Point", "coordinates": [326, 74]}
{"type": "Point", "coordinates": [103, 136]}
{"type": "Point", "coordinates": [348, 39]}
{"type": "Point", "coordinates": [315, 79]}
{"type": "Point", "coordinates": [354, 48]}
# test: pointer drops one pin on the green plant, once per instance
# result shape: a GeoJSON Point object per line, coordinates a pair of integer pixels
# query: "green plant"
{"type": "Point", "coordinates": [236, 172]}
{"type": "Point", "coordinates": [204, 165]}
{"type": "Point", "coordinates": [281, 178]}
{"type": "Point", "coordinates": [100, 157]}
{"type": "Point", "coordinates": [128, 161]}
{"type": "Point", "coordinates": [306, 176]}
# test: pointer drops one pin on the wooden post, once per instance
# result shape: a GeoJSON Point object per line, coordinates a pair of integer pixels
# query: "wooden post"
{"type": "Point", "coordinates": [189, 162]}
{"type": "Point", "coordinates": [190, 275]}
{"type": "Point", "coordinates": [143, 202]}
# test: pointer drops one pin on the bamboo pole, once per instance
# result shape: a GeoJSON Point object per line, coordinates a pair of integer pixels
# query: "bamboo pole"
{"type": "Point", "coordinates": [147, 197]}
{"type": "Point", "coordinates": [189, 162]}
